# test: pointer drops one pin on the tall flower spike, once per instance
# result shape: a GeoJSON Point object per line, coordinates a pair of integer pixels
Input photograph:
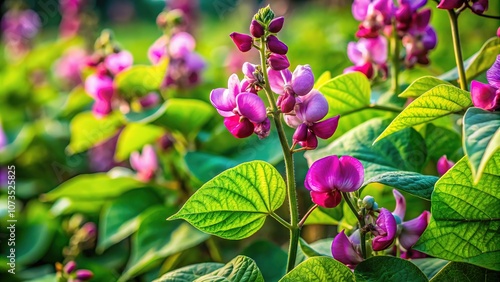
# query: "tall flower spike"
{"type": "Point", "coordinates": [329, 176]}
{"type": "Point", "coordinates": [385, 230]}
{"type": "Point", "coordinates": [345, 250]}
{"type": "Point", "coordinates": [145, 164]}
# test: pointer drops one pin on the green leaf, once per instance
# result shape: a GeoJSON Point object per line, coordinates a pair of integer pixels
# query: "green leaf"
{"type": "Point", "coordinates": [421, 85]}
{"type": "Point", "coordinates": [465, 222]}
{"type": "Point", "coordinates": [430, 266]}
{"type": "Point", "coordinates": [439, 101]}
{"type": "Point", "coordinates": [385, 268]}
{"type": "Point", "coordinates": [481, 138]}
{"type": "Point", "coordinates": [458, 271]}
{"type": "Point", "coordinates": [235, 203]}
{"type": "Point", "coordinates": [404, 151]}
{"type": "Point", "coordinates": [324, 216]}
{"type": "Point", "coordinates": [190, 273]}
{"type": "Point", "coordinates": [140, 80]}
{"type": "Point", "coordinates": [87, 130]}
{"type": "Point", "coordinates": [346, 92]}
{"type": "Point", "coordinates": [146, 115]}
{"type": "Point", "coordinates": [120, 218]}
{"type": "Point", "coordinates": [76, 101]}
{"type": "Point", "coordinates": [441, 141]}
{"type": "Point", "coordinates": [241, 269]}
{"type": "Point", "coordinates": [134, 136]}
{"type": "Point", "coordinates": [19, 145]}
{"type": "Point", "coordinates": [322, 247]}
{"type": "Point", "coordinates": [92, 187]}
{"type": "Point", "coordinates": [270, 259]}
{"type": "Point", "coordinates": [157, 238]}
{"type": "Point", "coordinates": [322, 79]}
{"type": "Point", "coordinates": [319, 269]}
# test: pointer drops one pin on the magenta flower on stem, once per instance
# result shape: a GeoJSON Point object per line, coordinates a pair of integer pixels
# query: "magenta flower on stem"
{"type": "Point", "coordinates": [276, 46]}
{"type": "Point", "coordinates": [181, 44]}
{"type": "Point", "coordinates": [329, 176]}
{"type": "Point", "coordinates": [244, 112]}
{"type": "Point", "coordinates": [289, 85]}
{"type": "Point", "coordinates": [346, 250]}
{"type": "Point", "coordinates": [100, 87]}
{"type": "Point", "coordinates": [480, 6]}
{"type": "Point", "coordinates": [242, 41]}
{"type": "Point", "coordinates": [373, 15]}
{"type": "Point", "coordinates": [69, 67]}
{"type": "Point", "coordinates": [385, 230]}
{"type": "Point", "coordinates": [278, 62]}
{"type": "Point", "coordinates": [118, 62]}
{"type": "Point", "coordinates": [369, 56]}
{"type": "Point", "coordinates": [276, 24]}
{"type": "Point", "coordinates": [145, 164]}
{"type": "Point", "coordinates": [487, 96]}
{"type": "Point", "coordinates": [443, 165]}
{"type": "Point", "coordinates": [450, 4]}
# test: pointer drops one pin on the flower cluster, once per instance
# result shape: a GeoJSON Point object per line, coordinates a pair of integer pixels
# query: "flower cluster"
{"type": "Point", "coordinates": [19, 27]}
{"type": "Point", "coordinates": [69, 272]}
{"type": "Point", "coordinates": [107, 61]}
{"type": "Point", "coordinates": [487, 96]}
{"type": "Point", "coordinates": [380, 19]}
{"type": "Point", "coordinates": [385, 227]}
{"type": "Point", "coordinates": [177, 46]}
{"type": "Point", "coordinates": [478, 6]}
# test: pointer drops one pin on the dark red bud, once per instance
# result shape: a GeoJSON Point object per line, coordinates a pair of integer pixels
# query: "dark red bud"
{"type": "Point", "coordinates": [256, 29]}
{"type": "Point", "coordinates": [276, 24]}
{"type": "Point", "coordinates": [242, 41]}
{"type": "Point", "coordinates": [70, 267]}
{"type": "Point", "coordinates": [276, 46]}
{"type": "Point", "coordinates": [278, 62]}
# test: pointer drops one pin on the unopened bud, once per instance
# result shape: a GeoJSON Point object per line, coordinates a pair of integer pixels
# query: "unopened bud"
{"type": "Point", "coordinates": [84, 274]}
{"type": "Point", "coordinates": [242, 41]}
{"type": "Point", "coordinates": [70, 267]}
{"type": "Point", "coordinates": [368, 202]}
{"type": "Point", "coordinates": [276, 25]}
{"type": "Point", "coordinates": [276, 46]}
{"type": "Point", "coordinates": [278, 62]}
{"type": "Point", "coordinates": [256, 29]}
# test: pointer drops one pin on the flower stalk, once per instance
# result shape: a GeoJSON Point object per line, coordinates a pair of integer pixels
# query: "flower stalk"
{"type": "Point", "coordinates": [457, 48]}
{"type": "Point", "coordinates": [395, 59]}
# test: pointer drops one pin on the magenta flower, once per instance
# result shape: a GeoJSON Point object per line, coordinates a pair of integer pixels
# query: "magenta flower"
{"type": "Point", "coordinates": [487, 96]}
{"type": "Point", "coordinates": [276, 46]}
{"type": "Point", "coordinates": [249, 70]}
{"type": "Point", "coordinates": [181, 44]}
{"type": "Point", "coordinates": [69, 67]}
{"type": "Point", "coordinates": [256, 29]}
{"type": "Point", "coordinates": [480, 6]}
{"type": "Point", "coordinates": [118, 62]}
{"type": "Point", "coordinates": [276, 24]}
{"type": "Point", "coordinates": [100, 87]}
{"type": "Point", "coordinates": [385, 230]}
{"type": "Point", "coordinates": [329, 176]}
{"type": "Point", "coordinates": [369, 55]}
{"type": "Point", "coordinates": [443, 165]}
{"type": "Point", "coordinates": [278, 62]}
{"type": "Point", "coordinates": [3, 138]}
{"type": "Point", "coordinates": [70, 267]}
{"type": "Point", "coordinates": [288, 85]}
{"type": "Point", "coordinates": [373, 14]}
{"type": "Point", "coordinates": [242, 41]}
{"type": "Point", "coordinates": [450, 4]}
{"type": "Point", "coordinates": [346, 250]}
{"type": "Point", "coordinates": [84, 274]}
{"type": "Point", "coordinates": [158, 50]}
{"type": "Point", "coordinates": [244, 112]}
{"type": "Point", "coordinates": [145, 164]}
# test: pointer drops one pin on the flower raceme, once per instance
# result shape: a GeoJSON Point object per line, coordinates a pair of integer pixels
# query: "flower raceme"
{"type": "Point", "coordinates": [145, 164]}
{"type": "Point", "coordinates": [487, 96]}
{"type": "Point", "coordinates": [329, 176]}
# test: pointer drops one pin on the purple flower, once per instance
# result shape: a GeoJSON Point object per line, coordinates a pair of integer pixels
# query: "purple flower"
{"type": "Point", "coordinates": [181, 44]}
{"type": "Point", "coordinates": [244, 112]}
{"type": "Point", "coordinates": [487, 96]}
{"type": "Point", "coordinates": [84, 274]}
{"type": "Point", "coordinates": [158, 50]}
{"type": "Point", "coordinates": [278, 62]}
{"type": "Point", "coordinates": [276, 24]}
{"type": "Point", "coordinates": [368, 55]}
{"type": "Point", "coordinates": [150, 100]}
{"type": "Point", "coordinates": [450, 4]}
{"type": "Point", "coordinates": [256, 29]}
{"type": "Point", "coordinates": [117, 62]}
{"type": "Point", "coordinates": [70, 267]}
{"type": "Point", "coordinates": [443, 165]}
{"type": "Point", "coordinates": [69, 67]}
{"type": "Point", "coordinates": [100, 87]}
{"type": "Point", "coordinates": [480, 6]}
{"type": "Point", "coordinates": [276, 46]}
{"type": "Point", "coordinates": [345, 249]}
{"type": "Point", "coordinates": [242, 41]}
{"type": "Point", "coordinates": [373, 14]}
{"type": "Point", "coordinates": [329, 176]}
{"type": "Point", "coordinates": [385, 230]}
{"type": "Point", "coordinates": [145, 164]}
{"type": "Point", "coordinates": [300, 82]}
{"type": "Point", "coordinates": [250, 72]}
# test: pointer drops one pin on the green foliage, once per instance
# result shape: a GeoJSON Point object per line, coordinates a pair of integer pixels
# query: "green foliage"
{"type": "Point", "coordinates": [421, 85]}
{"type": "Point", "coordinates": [234, 204]}
{"type": "Point", "coordinates": [465, 220]}
{"type": "Point", "coordinates": [270, 258]}
{"type": "Point", "coordinates": [19, 145]}
{"type": "Point", "coordinates": [134, 136]}
{"type": "Point", "coordinates": [441, 141]}
{"type": "Point", "coordinates": [439, 101]}
{"type": "Point", "coordinates": [190, 273]}
{"type": "Point", "coordinates": [140, 80]}
{"type": "Point", "coordinates": [347, 92]}
{"type": "Point", "coordinates": [459, 271]}
{"type": "Point", "coordinates": [76, 101]}
{"type": "Point", "coordinates": [430, 266]}
{"type": "Point", "coordinates": [481, 132]}
{"type": "Point", "coordinates": [325, 216]}
{"type": "Point", "coordinates": [319, 269]}
{"type": "Point", "coordinates": [390, 269]}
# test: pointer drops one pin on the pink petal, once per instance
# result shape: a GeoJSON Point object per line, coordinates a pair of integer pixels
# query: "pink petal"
{"type": "Point", "coordinates": [302, 80]}
{"type": "Point", "coordinates": [349, 175]}
{"type": "Point", "coordinates": [344, 250]}
{"type": "Point", "coordinates": [377, 48]}
{"type": "Point", "coordinates": [158, 50]}
{"type": "Point", "coordinates": [181, 44]}
{"type": "Point", "coordinates": [252, 107]}
{"type": "Point", "coordinates": [484, 96]}
{"type": "Point", "coordinates": [329, 199]}
{"type": "Point", "coordinates": [493, 74]}
{"type": "Point", "coordinates": [412, 230]}
{"type": "Point", "coordinates": [388, 227]}
{"type": "Point", "coordinates": [326, 128]}
{"type": "Point", "coordinates": [149, 159]}
{"type": "Point", "coordinates": [239, 127]}
{"type": "Point", "coordinates": [354, 54]}
{"type": "Point", "coordinates": [278, 79]}
{"type": "Point", "coordinates": [313, 108]}
{"type": "Point", "coordinates": [222, 100]}
{"type": "Point", "coordinates": [443, 165]}
{"type": "Point", "coordinates": [320, 176]}
{"type": "Point", "coordinates": [360, 9]}
{"type": "Point", "coordinates": [117, 62]}
{"type": "Point", "coordinates": [400, 209]}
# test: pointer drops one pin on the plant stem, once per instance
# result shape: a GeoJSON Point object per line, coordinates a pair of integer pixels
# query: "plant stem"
{"type": "Point", "coordinates": [288, 158]}
{"type": "Point", "coordinates": [395, 59]}
{"type": "Point", "coordinates": [361, 220]}
{"type": "Point", "coordinates": [280, 220]}
{"type": "Point", "coordinates": [303, 220]}
{"type": "Point", "coordinates": [457, 48]}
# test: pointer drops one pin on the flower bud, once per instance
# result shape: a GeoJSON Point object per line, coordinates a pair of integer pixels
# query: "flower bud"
{"type": "Point", "coordinates": [385, 231]}
{"type": "Point", "coordinates": [450, 4]}
{"type": "Point", "coordinates": [311, 143]}
{"type": "Point", "coordinates": [278, 62]}
{"type": "Point", "coordinates": [480, 6]}
{"type": "Point", "coordinates": [150, 100]}
{"type": "Point", "coordinates": [70, 267]}
{"type": "Point", "coordinates": [276, 24]}
{"type": "Point", "coordinates": [262, 129]}
{"type": "Point", "coordinates": [84, 274]}
{"type": "Point", "coordinates": [300, 133]}
{"type": "Point", "coordinates": [256, 29]}
{"type": "Point", "coordinates": [286, 103]}
{"type": "Point", "coordinates": [276, 46]}
{"type": "Point", "coordinates": [368, 201]}
{"type": "Point", "coordinates": [443, 165]}
{"type": "Point", "coordinates": [302, 80]}
{"type": "Point", "coordinates": [242, 41]}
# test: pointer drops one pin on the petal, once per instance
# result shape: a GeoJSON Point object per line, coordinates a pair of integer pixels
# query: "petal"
{"type": "Point", "coordinates": [242, 41]}
{"type": "Point", "coordinates": [239, 127]}
{"type": "Point", "coordinates": [328, 199]}
{"type": "Point", "coordinates": [292, 121]}
{"type": "Point", "coordinates": [278, 62]}
{"type": "Point", "coordinates": [484, 96]}
{"type": "Point", "coordinates": [135, 161]}
{"type": "Point", "coordinates": [233, 84]}
{"type": "Point", "coordinates": [158, 50]}
{"type": "Point", "coordinates": [319, 177]}
{"type": "Point", "coordinates": [302, 80]}
{"type": "Point", "coordinates": [311, 141]}
{"type": "Point", "coordinates": [387, 223]}
{"type": "Point", "coordinates": [450, 4]}
{"type": "Point", "coordinates": [276, 24]}
{"type": "Point", "coordinates": [251, 106]}
{"type": "Point", "coordinates": [194, 62]}
{"type": "Point", "coordinates": [326, 128]}
{"type": "Point", "coordinates": [349, 175]}
{"type": "Point", "coordinates": [443, 165]}
{"type": "Point", "coordinates": [313, 107]}
{"type": "Point", "coordinates": [493, 74]}
{"type": "Point", "coordinates": [300, 133]}
{"type": "Point", "coordinates": [360, 9]}
{"type": "Point", "coordinates": [117, 62]}
{"type": "Point", "coordinates": [221, 100]}
{"type": "Point", "coordinates": [400, 209]}
{"type": "Point", "coordinates": [277, 80]}
{"type": "Point", "coordinates": [181, 44]}
{"type": "Point", "coordinates": [412, 230]}
{"type": "Point", "coordinates": [149, 160]}
{"type": "Point", "coordinates": [262, 129]}
{"type": "Point", "coordinates": [377, 48]}
{"type": "Point", "coordinates": [276, 46]}
{"type": "Point", "coordinates": [248, 70]}
{"type": "Point", "coordinates": [429, 40]}
{"type": "Point", "coordinates": [354, 54]}
{"type": "Point", "coordinates": [344, 251]}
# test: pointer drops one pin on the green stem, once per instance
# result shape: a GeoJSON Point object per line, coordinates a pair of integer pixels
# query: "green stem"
{"type": "Point", "coordinates": [361, 220]}
{"type": "Point", "coordinates": [457, 48]}
{"type": "Point", "coordinates": [288, 158]}
{"type": "Point", "coordinates": [303, 220]}
{"type": "Point", "coordinates": [213, 250]}
{"type": "Point", "coordinates": [395, 60]}
{"type": "Point", "coordinates": [280, 220]}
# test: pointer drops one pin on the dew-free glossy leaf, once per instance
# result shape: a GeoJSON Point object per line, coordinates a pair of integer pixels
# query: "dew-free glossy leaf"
{"type": "Point", "coordinates": [322, 79]}
{"type": "Point", "coordinates": [430, 266]}
{"type": "Point", "coordinates": [439, 101]}
{"type": "Point", "coordinates": [388, 269]}
{"type": "Point", "coordinates": [465, 222]}
{"type": "Point", "coordinates": [87, 130]}
{"type": "Point", "coordinates": [322, 247]}
{"type": "Point", "coordinates": [459, 271]}
{"type": "Point", "coordinates": [235, 203]}
{"type": "Point", "coordinates": [190, 273]}
{"type": "Point", "coordinates": [412, 182]}
{"type": "Point", "coordinates": [134, 136]}
{"type": "Point", "coordinates": [269, 257]}
{"type": "Point", "coordinates": [319, 269]}
{"type": "Point", "coordinates": [325, 216]}
{"type": "Point", "coordinates": [481, 138]}
{"type": "Point", "coordinates": [441, 141]}
{"type": "Point", "coordinates": [422, 85]}
{"type": "Point", "coordinates": [346, 92]}
{"type": "Point", "coordinates": [241, 269]}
